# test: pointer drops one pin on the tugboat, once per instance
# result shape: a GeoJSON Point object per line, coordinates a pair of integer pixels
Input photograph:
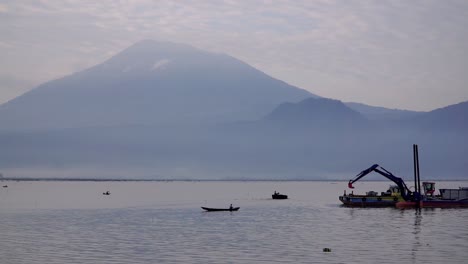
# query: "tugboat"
{"type": "Point", "coordinates": [277, 196]}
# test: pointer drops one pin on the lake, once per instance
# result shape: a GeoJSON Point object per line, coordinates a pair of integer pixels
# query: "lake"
{"type": "Point", "coordinates": [162, 222]}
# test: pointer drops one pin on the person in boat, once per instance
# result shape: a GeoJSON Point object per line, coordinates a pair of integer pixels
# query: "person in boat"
{"type": "Point", "coordinates": [230, 207]}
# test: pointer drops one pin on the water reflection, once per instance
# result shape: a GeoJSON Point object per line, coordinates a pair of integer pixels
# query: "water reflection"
{"type": "Point", "coordinates": [416, 232]}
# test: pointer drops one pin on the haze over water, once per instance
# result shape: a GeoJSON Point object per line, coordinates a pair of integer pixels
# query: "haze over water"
{"type": "Point", "coordinates": [162, 222]}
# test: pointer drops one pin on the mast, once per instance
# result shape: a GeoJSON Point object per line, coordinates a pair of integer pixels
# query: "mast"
{"type": "Point", "coordinates": [417, 179]}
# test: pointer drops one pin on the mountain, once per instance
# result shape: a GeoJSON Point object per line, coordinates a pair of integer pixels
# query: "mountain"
{"type": "Point", "coordinates": [161, 110]}
{"type": "Point", "coordinates": [151, 83]}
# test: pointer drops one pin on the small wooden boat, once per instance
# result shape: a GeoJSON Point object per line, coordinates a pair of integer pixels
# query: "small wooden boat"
{"type": "Point", "coordinates": [220, 209]}
{"type": "Point", "coordinates": [278, 196]}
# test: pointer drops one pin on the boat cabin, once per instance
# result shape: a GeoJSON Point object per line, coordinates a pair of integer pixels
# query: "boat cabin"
{"type": "Point", "coordinates": [428, 188]}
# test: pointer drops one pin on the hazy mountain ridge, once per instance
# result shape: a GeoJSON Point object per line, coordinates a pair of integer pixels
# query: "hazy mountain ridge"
{"type": "Point", "coordinates": [452, 117]}
{"type": "Point", "coordinates": [320, 112]}
{"type": "Point", "coordinates": [244, 150]}
{"type": "Point", "coordinates": [382, 113]}
{"type": "Point", "coordinates": [172, 111]}
{"type": "Point", "coordinates": [248, 150]}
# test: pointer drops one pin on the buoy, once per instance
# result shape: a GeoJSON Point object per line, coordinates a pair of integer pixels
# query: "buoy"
{"type": "Point", "coordinates": [326, 250]}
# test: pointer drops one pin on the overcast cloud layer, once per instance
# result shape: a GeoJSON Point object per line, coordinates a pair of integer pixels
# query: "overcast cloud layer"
{"type": "Point", "coordinates": [397, 54]}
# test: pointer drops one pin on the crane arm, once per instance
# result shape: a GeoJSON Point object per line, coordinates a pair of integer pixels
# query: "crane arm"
{"type": "Point", "coordinates": [361, 174]}
{"type": "Point", "coordinates": [405, 192]}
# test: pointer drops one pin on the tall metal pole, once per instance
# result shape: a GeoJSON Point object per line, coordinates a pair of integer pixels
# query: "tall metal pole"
{"type": "Point", "coordinates": [419, 175]}
{"type": "Point", "coordinates": [415, 169]}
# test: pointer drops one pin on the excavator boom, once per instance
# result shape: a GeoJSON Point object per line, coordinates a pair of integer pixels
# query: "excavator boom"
{"type": "Point", "coordinates": [405, 192]}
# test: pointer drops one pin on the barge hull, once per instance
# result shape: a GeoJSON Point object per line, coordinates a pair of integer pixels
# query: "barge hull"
{"type": "Point", "coordinates": [434, 204]}
{"type": "Point", "coordinates": [368, 201]}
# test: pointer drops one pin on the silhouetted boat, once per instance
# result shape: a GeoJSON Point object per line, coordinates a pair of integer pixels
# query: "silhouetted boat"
{"type": "Point", "coordinates": [278, 196]}
{"type": "Point", "coordinates": [220, 209]}
{"type": "Point", "coordinates": [106, 193]}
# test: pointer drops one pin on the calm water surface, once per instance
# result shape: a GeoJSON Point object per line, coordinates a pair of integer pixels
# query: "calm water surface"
{"type": "Point", "coordinates": [162, 222]}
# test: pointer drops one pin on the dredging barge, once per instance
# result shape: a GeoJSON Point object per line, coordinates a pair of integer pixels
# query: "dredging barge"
{"type": "Point", "coordinates": [372, 199]}
{"type": "Point", "coordinates": [448, 198]}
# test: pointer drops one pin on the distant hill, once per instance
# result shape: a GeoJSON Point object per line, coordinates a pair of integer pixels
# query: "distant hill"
{"type": "Point", "coordinates": [318, 113]}
{"type": "Point", "coordinates": [449, 118]}
{"type": "Point", "coordinates": [311, 109]}
{"type": "Point", "coordinates": [382, 113]}
{"type": "Point", "coordinates": [151, 83]}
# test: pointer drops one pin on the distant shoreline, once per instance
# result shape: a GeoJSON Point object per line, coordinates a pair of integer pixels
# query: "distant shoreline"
{"type": "Point", "coordinates": [193, 180]}
{"type": "Point", "coordinates": [158, 180]}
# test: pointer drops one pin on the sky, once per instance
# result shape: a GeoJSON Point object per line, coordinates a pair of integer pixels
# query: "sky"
{"type": "Point", "coordinates": [396, 54]}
